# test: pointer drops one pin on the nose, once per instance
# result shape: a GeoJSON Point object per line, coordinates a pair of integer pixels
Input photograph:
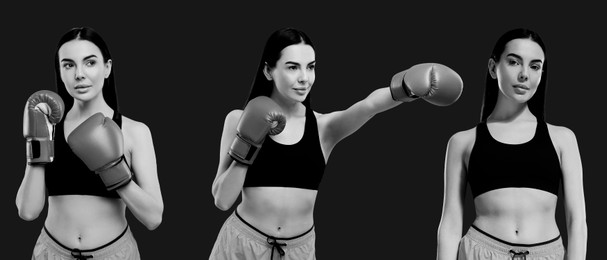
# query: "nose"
{"type": "Point", "coordinates": [523, 75]}
{"type": "Point", "coordinates": [303, 77]}
{"type": "Point", "coordinates": [79, 75]}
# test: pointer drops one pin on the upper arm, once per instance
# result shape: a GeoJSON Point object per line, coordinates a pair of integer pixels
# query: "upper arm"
{"type": "Point", "coordinates": [341, 124]}
{"type": "Point", "coordinates": [143, 157]}
{"type": "Point", "coordinates": [455, 174]}
{"type": "Point", "coordinates": [571, 167]}
{"type": "Point", "coordinates": [227, 137]}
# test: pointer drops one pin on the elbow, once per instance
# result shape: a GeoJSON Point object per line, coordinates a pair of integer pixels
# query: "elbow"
{"type": "Point", "coordinates": [27, 211]}
{"type": "Point", "coordinates": [220, 201]}
{"type": "Point", "coordinates": [578, 225]}
{"type": "Point", "coordinates": [155, 218]}
{"type": "Point", "coordinates": [28, 215]}
{"type": "Point", "coordinates": [222, 204]}
{"type": "Point", "coordinates": [154, 221]}
{"type": "Point", "coordinates": [576, 221]}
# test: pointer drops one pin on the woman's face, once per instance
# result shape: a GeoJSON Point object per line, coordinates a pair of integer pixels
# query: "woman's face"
{"type": "Point", "coordinates": [294, 73]}
{"type": "Point", "coordinates": [82, 69]}
{"type": "Point", "coordinates": [519, 69]}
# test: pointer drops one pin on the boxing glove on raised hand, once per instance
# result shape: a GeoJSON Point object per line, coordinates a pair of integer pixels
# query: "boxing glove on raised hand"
{"type": "Point", "coordinates": [433, 82]}
{"type": "Point", "coordinates": [261, 116]}
{"type": "Point", "coordinates": [43, 110]}
{"type": "Point", "coordinates": [98, 142]}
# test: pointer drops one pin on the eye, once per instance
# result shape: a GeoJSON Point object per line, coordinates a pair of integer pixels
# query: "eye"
{"type": "Point", "coordinates": [312, 67]}
{"type": "Point", "coordinates": [513, 62]}
{"type": "Point", "coordinates": [67, 65]}
{"type": "Point", "coordinates": [91, 63]}
{"type": "Point", "coordinates": [536, 67]}
{"type": "Point", "coordinates": [292, 67]}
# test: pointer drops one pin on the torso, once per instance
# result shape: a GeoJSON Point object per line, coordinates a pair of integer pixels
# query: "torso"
{"type": "Point", "coordinates": [87, 221]}
{"type": "Point", "coordinates": [520, 215]}
{"type": "Point", "coordinates": [83, 221]}
{"type": "Point", "coordinates": [278, 211]}
{"type": "Point", "coordinates": [283, 211]}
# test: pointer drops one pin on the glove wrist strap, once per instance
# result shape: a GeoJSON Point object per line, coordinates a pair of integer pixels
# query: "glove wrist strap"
{"type": "Point", "coordinates": [115, 174]}
{"type": "Point", "coordinates": [39, 151]}
{"type": "Point", "coordinates": [243, 150]}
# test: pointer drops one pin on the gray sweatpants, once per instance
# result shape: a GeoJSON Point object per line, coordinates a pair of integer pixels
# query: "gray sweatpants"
{"type": "Point", "coordinates": [239, 240]}
{"type": "Point", "coordinates": [478, 245]}
{"type": "Point", "coordinates": [123, 247]}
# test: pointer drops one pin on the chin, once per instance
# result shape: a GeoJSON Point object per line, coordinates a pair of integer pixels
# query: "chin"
{"type": "Point", "coordinates": [83, 97]}
{"type": "Point", "coordinates": [522, 99]}
{"type": "Point", "coordinates": [301, 100]}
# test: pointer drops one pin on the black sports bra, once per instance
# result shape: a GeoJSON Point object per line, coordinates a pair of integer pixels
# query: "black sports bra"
{"type": "Point", "coordinates": [68, 175]}
{"type": "Point", "coordinates": [494, 165]}
{"type": "Point", "coordinates": [300, 165]}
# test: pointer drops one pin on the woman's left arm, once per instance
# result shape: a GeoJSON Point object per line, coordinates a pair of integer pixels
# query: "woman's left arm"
{"type": "Point", "coordinates": [340, 124]}
{"type": "Point", "coordinates": [143, 198]}
{"type": "Point", "coordinates": [573, 187]}
{"type": "Point", "coordinates": [433, 82]}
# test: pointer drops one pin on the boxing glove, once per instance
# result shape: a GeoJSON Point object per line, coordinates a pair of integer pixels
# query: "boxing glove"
{"type": "Point", "coordinates": [261, 116]}
{"type": "Point", "coordinates": [43, 110]}
{"type": "Point", "coordinates": [98, 142]}
{"type": "Point", "coordinates": [435, 83]}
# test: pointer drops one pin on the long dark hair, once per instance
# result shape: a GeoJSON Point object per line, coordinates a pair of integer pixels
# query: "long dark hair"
{"type": "Point", "coordinates": [109, 87]}
{"type": "Point", "coordinates": [272, 52]}
{"type": "Point", "coordinates": [536, 103]}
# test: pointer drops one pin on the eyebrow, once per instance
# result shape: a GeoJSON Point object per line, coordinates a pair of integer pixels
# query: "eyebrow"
{"type": "Point", "coordinates": [295, 63]}
{"type": "Point", "coordinates": [85, 58]}
{"type": "Point", "coordinates": [520, 58]}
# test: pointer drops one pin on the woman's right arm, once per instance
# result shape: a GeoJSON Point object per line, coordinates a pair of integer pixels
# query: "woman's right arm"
{"type": "Point", "coordinates": [450, 227]}
{"type": "Point", "coordinates": [230, 173]}
{"type": "Point", "coordinates": [31, 195]}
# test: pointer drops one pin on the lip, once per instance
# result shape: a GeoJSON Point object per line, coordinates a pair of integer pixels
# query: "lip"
{"type": "Point", "coordinates": [521, 87]}
{"type": "Point", "coordinates": [301, 91]}
{"type": "Point", "coordinates": [82, 89]}
{"type": "Point", "coordinates": [82, 86]}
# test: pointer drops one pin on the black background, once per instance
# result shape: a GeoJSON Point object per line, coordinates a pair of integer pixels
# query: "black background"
{"type": "Point", "coordinates": [181, 68]}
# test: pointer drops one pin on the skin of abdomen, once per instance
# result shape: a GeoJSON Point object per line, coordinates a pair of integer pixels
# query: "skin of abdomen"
{"type": "Point", "coordinates": [517, 215]}
{"type": "Point", "coordinates": [278, 211]}
{"type": "Point", "coordinates": [85, 222]}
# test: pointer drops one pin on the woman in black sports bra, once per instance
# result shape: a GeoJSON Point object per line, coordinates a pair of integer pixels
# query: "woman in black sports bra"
{"type": "Point", "coordinates": [85, 220]}
{"type": "Point", "coordinates": [515, 163]}
{"type": "Point", "coordinates": [279, 187]}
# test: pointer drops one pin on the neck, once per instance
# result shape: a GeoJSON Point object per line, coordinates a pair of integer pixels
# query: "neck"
{"type": "Point", "coordinates": [289, 107]}
{"type": "Point", "coordinates": [507, 110]}
{"type": "Point", "coordinates": [90, 107]}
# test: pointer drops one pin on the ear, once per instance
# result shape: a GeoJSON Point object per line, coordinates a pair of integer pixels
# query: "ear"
{"type": "Point", "coordinates": [267, 72]}
{"type": "Point", "coordinates": [491, 67]}
{"type": "Point", "coordinates": [108, 68]}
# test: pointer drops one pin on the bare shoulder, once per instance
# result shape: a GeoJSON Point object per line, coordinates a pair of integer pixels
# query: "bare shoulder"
{"type": "Point", "coordinates": [318, 115]}
{"type": "Point", "coordinates": [137, 136]}
{"type": "Point", "coordinates": [463, 139]}
{"type": "Point", "coordinates": [232, 118]}
{"type": "Point", "coordinates": [561, 135]}
{"type": "Point", "coordinates": [322, 119]}
{"type": "Point", "coordinates": [135, 129]}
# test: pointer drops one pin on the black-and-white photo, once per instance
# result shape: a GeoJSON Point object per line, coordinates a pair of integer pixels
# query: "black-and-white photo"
{"type": "Point", "coordinates": [302, 130]}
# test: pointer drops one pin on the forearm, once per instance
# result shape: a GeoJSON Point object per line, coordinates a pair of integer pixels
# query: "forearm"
{"type": "Point", "coordinates": [577, 238]}
{"type": "Point", "coordinates": [228, 185]}
{"type": "Point", "coordinates": [32, 193]}
{"type": "Point", "coordinates": [145, 207]}
{"type": "Point", "coordinates": [381, 100]}
{"type": "Point", "coordinates": [448, 242]}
